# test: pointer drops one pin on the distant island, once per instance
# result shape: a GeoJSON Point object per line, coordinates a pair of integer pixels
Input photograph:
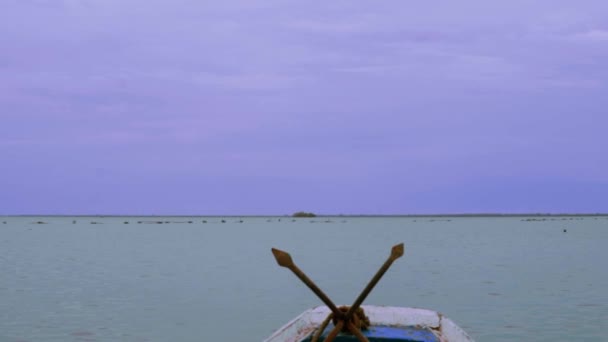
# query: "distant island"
{"type": "Point", "coordinates": [303, 214]}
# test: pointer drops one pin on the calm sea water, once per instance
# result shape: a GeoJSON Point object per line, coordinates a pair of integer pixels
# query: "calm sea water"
{"type": "Point", "coordinates": [100, 279]}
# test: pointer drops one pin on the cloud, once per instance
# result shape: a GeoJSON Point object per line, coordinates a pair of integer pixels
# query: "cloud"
{"type": "Point", "coordinates": [372, 28]}
{"type": "Point", "coordinates": [20, 142]}
{"type": "Point", "coordinates": [247, 81]}
{"type": "Point", "coordinates": [371, 69]}
{"type": "Point", "coordinates": [327, 27]}
{"type": "Point", "coordinates": [595, 35]}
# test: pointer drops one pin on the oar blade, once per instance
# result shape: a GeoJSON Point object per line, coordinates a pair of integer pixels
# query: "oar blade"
{"type": "Point", "coordinates": [283, 258]}
{"type": "Point", "coordinates": [397, 251]}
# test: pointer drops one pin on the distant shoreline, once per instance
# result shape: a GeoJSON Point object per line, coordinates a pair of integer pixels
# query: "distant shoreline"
{"type": "Point", "coordinates": [329, 215]}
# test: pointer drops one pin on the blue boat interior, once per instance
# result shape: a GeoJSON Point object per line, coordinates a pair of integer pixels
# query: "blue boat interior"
{"type": "Point", "coordinates": [385, 334]}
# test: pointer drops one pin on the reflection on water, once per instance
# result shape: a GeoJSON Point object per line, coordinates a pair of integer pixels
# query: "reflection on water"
{"type": "Point", "coordinates": [214, 278]}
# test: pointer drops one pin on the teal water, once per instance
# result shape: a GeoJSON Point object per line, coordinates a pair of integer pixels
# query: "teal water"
{"type": "Point", "coordinates": [501, 279]}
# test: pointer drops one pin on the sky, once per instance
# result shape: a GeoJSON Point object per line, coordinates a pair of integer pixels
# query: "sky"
{"type": "Point", "coordinates": [269, 107]}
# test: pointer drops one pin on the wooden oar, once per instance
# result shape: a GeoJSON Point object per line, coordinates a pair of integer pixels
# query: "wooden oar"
{"type": "Point", "coordinates": [334, 332]}
{"type": "Point", "coordinates": [396, 253]}
{"type": "Point", "coordinates": [355, 331]}
{"type": "Point", "coordinates": [284, 260]}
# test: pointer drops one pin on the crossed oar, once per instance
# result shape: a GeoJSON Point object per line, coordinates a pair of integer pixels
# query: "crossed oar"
{"type": "Point", "coordinates": [284, 260]}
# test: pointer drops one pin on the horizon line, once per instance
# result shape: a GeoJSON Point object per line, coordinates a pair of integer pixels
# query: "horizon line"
{"type": "Point", "coordinates": [317, 215]}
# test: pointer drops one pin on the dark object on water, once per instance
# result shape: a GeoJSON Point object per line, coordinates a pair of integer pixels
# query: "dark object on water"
{"type": "Point", "coordinates": [565, 230]}
{"type": "Point", "coordinates": [303, 214]}
{"type": "Point", "coordinates": [126, 222]}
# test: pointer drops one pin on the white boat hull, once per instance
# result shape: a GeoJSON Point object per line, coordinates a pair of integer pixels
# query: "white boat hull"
{"type": "Point", "coordinates": [305, 324]}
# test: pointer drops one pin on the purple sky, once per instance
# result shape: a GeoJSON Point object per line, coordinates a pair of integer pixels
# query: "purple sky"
{"type": "Point", "coordinates": [269, 107]}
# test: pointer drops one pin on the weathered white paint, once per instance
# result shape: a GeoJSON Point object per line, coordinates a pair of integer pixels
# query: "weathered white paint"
{"type": "Point", "coordinates": [302, 326]}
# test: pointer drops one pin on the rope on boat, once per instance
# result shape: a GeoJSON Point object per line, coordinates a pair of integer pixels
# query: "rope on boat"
{"type": "Point", "coordinates": [359, 320]}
